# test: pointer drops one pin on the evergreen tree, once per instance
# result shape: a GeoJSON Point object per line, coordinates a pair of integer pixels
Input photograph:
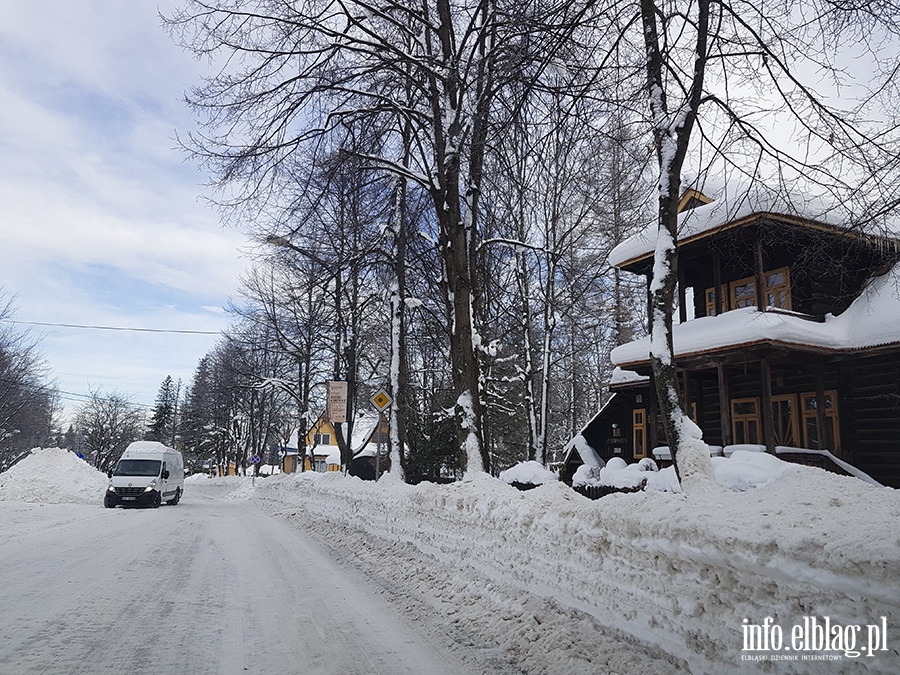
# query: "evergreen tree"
{"type": "Point", "coordinates": [165, 412]}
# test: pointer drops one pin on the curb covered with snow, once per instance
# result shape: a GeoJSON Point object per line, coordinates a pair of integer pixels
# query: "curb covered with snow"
{"type": "Point", "coordinates": [679, 572]}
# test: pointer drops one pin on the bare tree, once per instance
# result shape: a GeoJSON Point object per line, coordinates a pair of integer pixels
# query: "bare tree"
{"type": "Point", "coordinates": [717, 78]}
{"type": "Point", "coordinates": [108, 422]}
{"type": "Point", "coordinates": [425, 70]}
{"type": "Point", "coordinates": [27, 400]}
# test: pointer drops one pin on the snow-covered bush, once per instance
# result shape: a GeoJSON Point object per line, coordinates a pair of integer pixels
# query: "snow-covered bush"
{"type": "Point", "coordinates": [528, 474]}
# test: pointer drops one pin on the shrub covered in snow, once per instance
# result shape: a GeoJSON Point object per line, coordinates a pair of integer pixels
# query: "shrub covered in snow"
{"type": "Point", "coordinates": [528, 473]}
{"type": "Point", "coordinates": [741, 470]}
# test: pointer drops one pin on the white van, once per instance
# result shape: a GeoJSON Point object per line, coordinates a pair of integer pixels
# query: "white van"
{"type": "Point", "coordinates": [148, 474]}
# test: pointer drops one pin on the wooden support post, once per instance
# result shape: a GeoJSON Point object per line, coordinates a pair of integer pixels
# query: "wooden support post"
{"type": "Point", "coordinates": [717, 282]}
{"type": "Point", "coordinates": [682, 307]}
{"type": "Point", "coordinates": [768, 422]}
{"type": "Point", "coordinates": [821, 419]}
{"type": "Point", "coordinates": [761, 303]}
{"type": "Point", "coordinates": [724, 404]}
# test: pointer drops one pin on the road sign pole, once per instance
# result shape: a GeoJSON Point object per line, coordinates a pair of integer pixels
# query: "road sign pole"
{"type": "Point", "coordinates": [378, 454]}
{"type": "Point", "coordinates": [381, 400]}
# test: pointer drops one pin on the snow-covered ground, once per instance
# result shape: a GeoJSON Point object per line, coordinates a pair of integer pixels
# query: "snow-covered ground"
{"type": "Point", "coordinates": [546, 581]}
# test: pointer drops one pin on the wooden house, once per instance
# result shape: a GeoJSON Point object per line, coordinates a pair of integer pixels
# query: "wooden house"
{"type": "Point", "coordinates": [788, 337]}
{"type": "Point", "coordinates": [322, 446]}
{"type": "Point", "coordinates": [321, 449]}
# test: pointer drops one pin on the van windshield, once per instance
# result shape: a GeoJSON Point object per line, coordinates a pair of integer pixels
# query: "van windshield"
{"type": "Point", "coordinates": [137, 467]}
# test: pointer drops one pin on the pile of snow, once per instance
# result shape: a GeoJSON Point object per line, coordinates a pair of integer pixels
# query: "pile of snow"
{"type": "Point", "coordinates": [748, 469]}
{"type": "Point", "coordinates": [617, 473]}
{"type": "Point", "coordinates": [528, 473]}
{"type": "Point", "coordinates": [682, 572]}
{"type": "Point", "coordinates": [741, 470]}
{"type": "Point", "coordinates": [53, 476]}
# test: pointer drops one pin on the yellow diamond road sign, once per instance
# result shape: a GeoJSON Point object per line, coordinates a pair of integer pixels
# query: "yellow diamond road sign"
{"type": "Point", "coordinates": [381, 400]}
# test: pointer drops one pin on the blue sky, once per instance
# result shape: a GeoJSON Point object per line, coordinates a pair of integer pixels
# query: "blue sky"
{"type": "Point", "coordinates": [101, 218]}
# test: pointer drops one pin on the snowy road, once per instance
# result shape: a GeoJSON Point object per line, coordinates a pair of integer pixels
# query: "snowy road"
{"type": "Point", "coordinates": [208, 586]}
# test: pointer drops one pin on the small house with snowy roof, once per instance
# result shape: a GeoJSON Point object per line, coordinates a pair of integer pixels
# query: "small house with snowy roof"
{"type": "Point", "coordinates": [322, 449]}
{"type": "Point", "coordinates": [787, 341]}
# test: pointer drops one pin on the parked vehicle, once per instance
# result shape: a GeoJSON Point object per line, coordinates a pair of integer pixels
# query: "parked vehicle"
{"type": "Point", "coordinates": [148, 474]}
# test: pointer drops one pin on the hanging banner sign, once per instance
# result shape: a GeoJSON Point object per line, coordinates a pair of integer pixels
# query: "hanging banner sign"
{"type": "Point", "coordinates": [336, 402]}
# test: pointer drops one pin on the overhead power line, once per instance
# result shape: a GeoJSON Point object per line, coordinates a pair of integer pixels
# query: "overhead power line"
{"type": "Point", "coordinates": [122, 328]}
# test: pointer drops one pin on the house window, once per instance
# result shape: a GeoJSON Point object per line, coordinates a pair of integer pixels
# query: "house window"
{"type": "Point", "coordinates": [742, 293]}
{"type": "Point", "coordinates": [786, 420]}
{"type": "Point", "coordinates": [711, 300]}
{"type": "Point", "coordinates": [640, 433]}
{"type": "Point", "coordinates": [778, 289]}
{"type": "Point", "coordinates": [745, 420]}
{"type": "Point", "coordinates": [831, 439]}
{"type": "Point", "coordinates": [322, 439]}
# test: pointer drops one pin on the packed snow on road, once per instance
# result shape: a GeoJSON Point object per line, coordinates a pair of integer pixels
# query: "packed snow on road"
{"type": "Point", "coordinates": [792, 570]}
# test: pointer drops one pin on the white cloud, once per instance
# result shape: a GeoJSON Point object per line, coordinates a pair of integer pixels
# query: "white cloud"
{"type": "Point", "coordinates": [100, 217]}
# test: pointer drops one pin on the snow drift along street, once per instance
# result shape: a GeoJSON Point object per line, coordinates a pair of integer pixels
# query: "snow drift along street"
{"type": "Point", "coordinates": [679, 573]}
{"type": "Point", "coordinates": [542, 581]}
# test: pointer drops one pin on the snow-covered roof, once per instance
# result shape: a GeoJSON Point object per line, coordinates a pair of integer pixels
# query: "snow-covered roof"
{"type": "Point", "coordinates": [363, 426]}
{"type": "Point", "coordinates": [873, 319]}
{"type": "Point", "coordinates": [735, 205]}
{"type": "Point", "coordinates": [621, 376]}
{"type": "Point", "coordinates": [148, 446]}
{"type": "Point", "coordinates": [579, 444]}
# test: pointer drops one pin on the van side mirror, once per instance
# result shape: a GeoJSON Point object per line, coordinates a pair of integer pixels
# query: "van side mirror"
{"type": "Point", "coordinates": [109, 473]}
{"type": "Point", "coordinates": [165, 474]}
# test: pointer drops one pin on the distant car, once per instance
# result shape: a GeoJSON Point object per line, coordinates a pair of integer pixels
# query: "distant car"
{"type": "Point", "coordinates": [147, 474]}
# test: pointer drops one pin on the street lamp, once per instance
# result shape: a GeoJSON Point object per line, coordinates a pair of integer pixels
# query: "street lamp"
{"type": "Point", "coordinates": [282, 242]}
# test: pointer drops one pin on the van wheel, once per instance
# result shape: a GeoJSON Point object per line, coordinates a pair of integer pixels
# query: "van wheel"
{"type": "Point", "coordinates": [176, 498]}
{"type": "Point", "coordinates": [157, 501]}
{"type": "Point", "coordinates": [109, 503]}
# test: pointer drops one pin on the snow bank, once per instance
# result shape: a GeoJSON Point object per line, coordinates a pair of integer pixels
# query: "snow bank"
{"type": "Point", "coordinates": [680, 572]}
{"type": "Point", "coordinates": [53, 476]}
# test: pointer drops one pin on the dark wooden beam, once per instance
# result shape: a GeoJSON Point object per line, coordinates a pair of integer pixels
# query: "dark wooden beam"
{"type": "Point", "coordinates": [820, 411]}
{"type": "Point", "coordinates": [724, 403]}
{"type": "Point", "coordinates": [717, 281]}
{"type": "Point", "coordinates": [761, 303]}
{"type": "Point", "coordinates": [768, 422]}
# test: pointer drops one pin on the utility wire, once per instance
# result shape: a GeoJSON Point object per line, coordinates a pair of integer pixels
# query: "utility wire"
{"type": "Point", "coordinates": [137, 330]}
{"type": "Point", "coordinates": [68, 395]}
